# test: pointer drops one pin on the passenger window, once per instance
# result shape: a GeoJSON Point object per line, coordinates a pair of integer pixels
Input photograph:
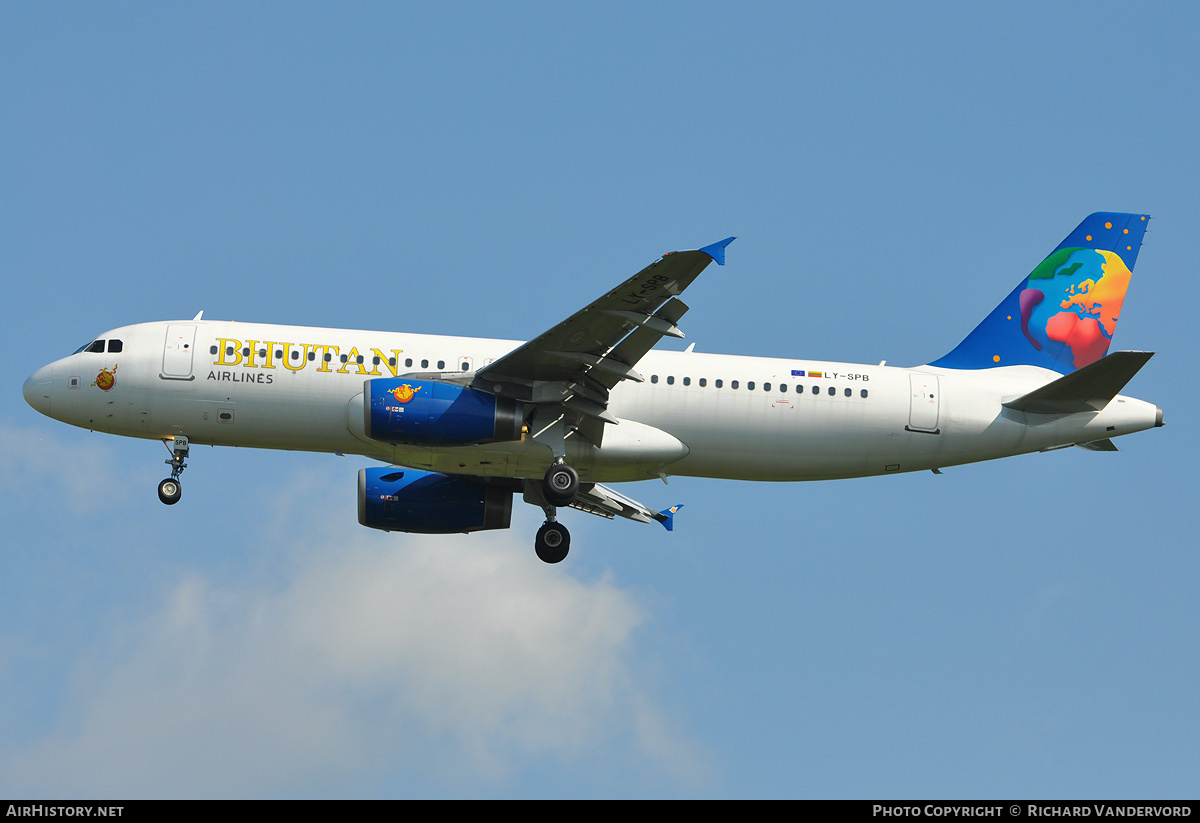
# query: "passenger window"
{"type": "Point", "coordinates": [343, 358]}
{"type": "Point", "coordinates": [359, 360]}
{"type": "Point", "coordinates": [703, 382]}
{"type": "Point", "coordinates": [441, 365]}
{"type": "Point", "coordinates": [816, 389]}
{"type": "Point", "coordinates": [718, 382]}
{"type": "Point", "coordinates": [312, 355]}
{"type": "Point", "coordinates": [295, 355]}
{"type": "Point", "coordinates": [670, 380]}
{"type": "Point", "coordinates": [687, 381]}
{"type": "Point", "coordinates": [228, 351]}
{"type": "Point", "coordinates": [211, 350]}
{"type": "Point", "coordinates": [733, 384]}
{"type": "Point", "coordinates": [832, 391]}
{"type": "Point", "coordinates": [392, 362]}
{"type": "Point", "coordinates": [375, 360]}
{"type": "Point", "coordinates": [115, 346]}
{"type": "Point", "coordinates": [750, 386]}
{"type": "Point", "coordinates": [424, 364]}
{"type": "Point", "coordinates": [766, 386]}
{"type": "Point", "coordinates": [262, 353]}
{"type": "Point", "coordinates": [246, 351]}
{"type": "Point", "coordinates": [328, 357]}
{"type": "Point", "coordinates": [654, 378]}
{"type": "Point", "coordinates": [408, 362]}
{"type": "Point", "coordinates": [279, 354]}
{"type": "Point", "coordinates": [862, 393]}
{"type": "Point", "coordinates": [466, 366]}
{"type": "Point", "coordinates": [849, 393]}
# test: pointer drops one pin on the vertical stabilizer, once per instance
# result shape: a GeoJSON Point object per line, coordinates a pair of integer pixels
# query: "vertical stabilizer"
{"type": "Point", "coordinates": [1063, 315]}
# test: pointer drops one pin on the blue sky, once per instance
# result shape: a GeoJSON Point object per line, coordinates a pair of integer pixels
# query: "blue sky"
{"type": "Point", "coordinates": [1019, 628]}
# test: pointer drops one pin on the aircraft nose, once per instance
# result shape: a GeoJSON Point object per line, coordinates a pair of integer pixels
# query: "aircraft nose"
{"type": "Point", "coordinates": [37, 391]}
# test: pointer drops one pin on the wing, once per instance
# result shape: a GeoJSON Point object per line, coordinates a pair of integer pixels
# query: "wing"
{"type": "Point", "coordinates": [574, 364]}
{"type": "Point", "coordinates": [598, 499]}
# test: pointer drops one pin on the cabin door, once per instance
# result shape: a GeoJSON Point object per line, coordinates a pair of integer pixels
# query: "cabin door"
{"type": "Point", "coordinates": [923, 403]}
{"type": "Point", "coordinates": [178, 349]}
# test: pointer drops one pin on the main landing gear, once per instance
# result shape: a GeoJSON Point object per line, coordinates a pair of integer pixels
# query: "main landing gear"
{"type": "Point", "coordinates": [169, 490]}
{"type": "Point", "coordinates": [561, 484]}
{"type": "Point", "coordinates": [559, 487]}
{"type": "Point", "coordinates": [552, 542]}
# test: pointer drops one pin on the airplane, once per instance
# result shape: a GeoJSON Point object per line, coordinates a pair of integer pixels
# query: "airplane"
{"type": "Point", "coordinates": [463, 424]}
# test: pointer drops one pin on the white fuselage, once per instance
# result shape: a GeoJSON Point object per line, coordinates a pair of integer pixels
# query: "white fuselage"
{"type": "Point", "coordinates": [287, 387]}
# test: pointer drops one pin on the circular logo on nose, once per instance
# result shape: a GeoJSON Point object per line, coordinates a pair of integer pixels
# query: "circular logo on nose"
{"type": "Point", "coordinates": [106, 379]}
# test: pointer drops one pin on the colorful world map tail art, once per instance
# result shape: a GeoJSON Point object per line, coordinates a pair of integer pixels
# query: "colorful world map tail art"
{"type": "Point", "coordinates": [1063, 315]}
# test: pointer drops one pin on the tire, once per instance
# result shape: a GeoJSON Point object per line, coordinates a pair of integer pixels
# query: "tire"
{"type": "Point", "coordinates": [552, 542]}
{"type": "Point", "coordinates": [169, 491]}
{"type": "Point", "coordinates": [561, 485]}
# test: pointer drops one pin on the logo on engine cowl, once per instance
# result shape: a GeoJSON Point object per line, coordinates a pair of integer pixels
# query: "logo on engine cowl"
{"type": "Point", "coordinates": [404, 393]}
{"type": "Point", "coordinates": [106, 379]}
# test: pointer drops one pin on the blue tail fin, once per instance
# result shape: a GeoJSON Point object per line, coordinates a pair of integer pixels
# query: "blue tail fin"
{"type": "Point", "coordinates": [1063, 315]}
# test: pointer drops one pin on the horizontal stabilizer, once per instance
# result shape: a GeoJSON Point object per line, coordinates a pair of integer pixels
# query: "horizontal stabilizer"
{"type": "Point", "coordinates": [1105, 445]}
{"type": "Point", "coordinates": [1086, 389]}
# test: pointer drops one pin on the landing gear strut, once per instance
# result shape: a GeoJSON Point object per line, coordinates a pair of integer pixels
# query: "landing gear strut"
{"type": "Point", "coordinates": [170, 490]}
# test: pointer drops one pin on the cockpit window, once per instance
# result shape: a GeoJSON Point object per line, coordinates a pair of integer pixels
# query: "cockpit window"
{"type": "Point", "coordinates": [97, 347]}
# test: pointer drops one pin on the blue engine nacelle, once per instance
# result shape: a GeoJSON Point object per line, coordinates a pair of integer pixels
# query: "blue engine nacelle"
{"type": "Point", "coordinates": [428, 411]}
{"type": "Point", "coordinates": [410, 500]}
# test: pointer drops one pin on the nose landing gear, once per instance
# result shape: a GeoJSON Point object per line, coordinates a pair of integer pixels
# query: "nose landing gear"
{"type": "Point", "coordinates": [170, 490]}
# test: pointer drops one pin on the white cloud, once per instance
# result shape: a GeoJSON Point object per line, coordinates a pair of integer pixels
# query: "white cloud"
{"type": "Point", "coordinates": [373, 663]}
